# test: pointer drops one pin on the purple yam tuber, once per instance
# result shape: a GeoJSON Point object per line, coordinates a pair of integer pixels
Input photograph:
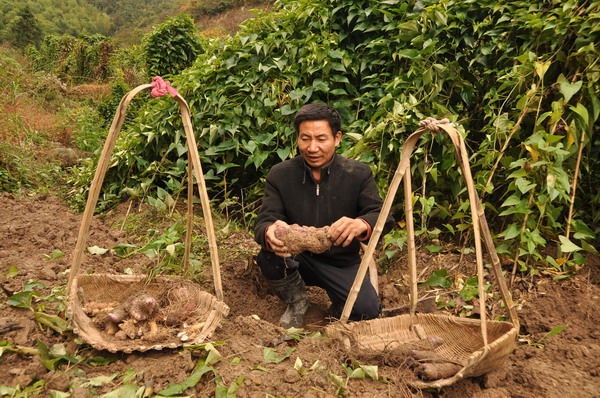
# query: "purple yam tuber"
{"type": "Point", "coordinates": [142, 307]}
{"type": "Point", "coordinates": [117, 315]}
{"type": "Point", "coordinates": [298, 239]}
{"type": "Point", "coordinates": [437, 370]}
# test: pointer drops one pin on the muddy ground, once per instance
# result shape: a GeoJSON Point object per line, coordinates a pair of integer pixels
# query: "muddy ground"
{"type": "Point", "coordinates": [563, 365]}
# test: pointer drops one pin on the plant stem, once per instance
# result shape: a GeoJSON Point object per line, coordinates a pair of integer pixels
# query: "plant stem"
{"type": "Point", "coordinates": [523, 227]}
{"type": "Point", "coordinates": [574, 185]}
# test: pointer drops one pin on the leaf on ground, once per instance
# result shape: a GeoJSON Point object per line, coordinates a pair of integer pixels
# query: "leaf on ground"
{"type": "Point", "coordinates": [271, 356]}
{"type": "Point", "coordinates": [99, 381]}
{"type": "Point", "coordinates": [97, 250]}
{"type": "Point", "coordinates": [127, 391]}
{"type": "Point", "coordinates": [553, 332]}
{"type": "Point", "coordinates": [222, 391]}
{"type": "Point", "coordinates": [438, 278]}
{"type": "Point", "coordinates": [5, 390]}
{"type": "Point", "coordinates": [51, 357]}
{"type": "Point", "coordinates": [54, 255]}
{"type": "Point", "coordinates": [178, 388]}
{"type": "Point", "coordinates": [371, 371]}
{"type": "Point", "coordinates": [21, 300]}
{"type": "Point", "coordinates": [54, 322]}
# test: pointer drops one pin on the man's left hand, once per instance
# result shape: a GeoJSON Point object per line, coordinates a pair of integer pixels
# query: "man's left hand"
{"type": "Point", "coordinates": [344, 230]}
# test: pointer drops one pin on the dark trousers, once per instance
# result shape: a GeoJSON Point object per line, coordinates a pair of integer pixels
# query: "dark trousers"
{"type": "Point", "coordinates": [336, 281]}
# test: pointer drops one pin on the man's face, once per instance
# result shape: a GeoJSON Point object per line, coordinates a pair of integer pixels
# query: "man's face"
{"type": "Point", "coordinates": [317, 143]}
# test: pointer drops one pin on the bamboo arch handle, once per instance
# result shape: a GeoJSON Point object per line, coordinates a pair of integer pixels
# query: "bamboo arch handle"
{"type": "Point", "coordinates": [480, 228]}
{"type": "Point", "coordinates": [193, 167]}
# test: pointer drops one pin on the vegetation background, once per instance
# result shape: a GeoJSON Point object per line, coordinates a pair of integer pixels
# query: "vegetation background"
{"type": "Point", "coordinates": [519, 78]}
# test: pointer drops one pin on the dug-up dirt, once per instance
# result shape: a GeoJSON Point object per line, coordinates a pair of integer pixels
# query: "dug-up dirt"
{"type": "Point", "coordinates": [31, 227]}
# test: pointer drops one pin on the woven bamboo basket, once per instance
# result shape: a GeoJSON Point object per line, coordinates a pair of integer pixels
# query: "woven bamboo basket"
{"type": "Point", "coordinates": [91, 297]}
{"type": "Point", "coordinates": [477, 345]}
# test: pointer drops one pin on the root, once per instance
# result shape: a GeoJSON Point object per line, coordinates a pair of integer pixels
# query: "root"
{"type": "Point", "coordinates": [298, 238]}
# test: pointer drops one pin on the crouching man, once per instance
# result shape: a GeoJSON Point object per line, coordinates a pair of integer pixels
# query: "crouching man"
{"type": "Point", "coordinates": [319, 188]}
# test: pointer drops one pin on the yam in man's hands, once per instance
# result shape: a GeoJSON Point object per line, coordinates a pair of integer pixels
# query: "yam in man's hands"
{"type": "Point", "coordinates": [298, 239]}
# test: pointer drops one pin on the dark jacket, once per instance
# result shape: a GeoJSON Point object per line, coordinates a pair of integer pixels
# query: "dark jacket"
{"type": "Point", "coordinates": [346, 188]}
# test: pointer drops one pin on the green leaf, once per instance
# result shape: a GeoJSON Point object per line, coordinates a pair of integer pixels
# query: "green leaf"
{"type": "Point", "coordinates": [21, 300]}
{"type": "Point", "coordinates": [524, 185]}
{"type": "Point", "coordinates": [371, 371]}
{"type": "Point", "coordinates": [12, 272]}
{"type": "Point", "coordinates": [51, 358]}
{"type": "Point", "coordinates": [434, 248]}
{"type": "Point", "coordinates": [54, 322]}
{"type": "Point", "coordinates": [170, 249]}
{"type": "Point", "coordinates": [178, 388]}
{"type": "Point", "coordinates": [583, 113]}
{"type": "Point", "coordinates": [553, 332]}
{"type": "Point", "coordinates": [30, 285]}
{"type": "Point", "coordinates": [99, 381]}
{"type": "Point", "coordinates": [283, 153]}
{"type": "Point", "coordinates": [567, 246]}
{"type": "Point", "coordinates": [511, 232]}
{"type": "Point", "coordinates": [568, 89]}
{"type": "Point", "coordinates": [271, 356]}
{"type": "Point", "coordinates": [59, 394]}
{"type": "Point", "coordinates": [541, 68]}
{"type": "Point", "coordinates": [408, 53]}
{"type": "Point", "coordinates": [299, 367]}
{"type": "Point", "coordinates": [47, 360]}
{"type": "Point", "coordinates": [357, 373]}
{"type": "Point", "coordinates": [438, 278]}
{"type": "Point", "coordinates": [511, 201]}
{"type": "Point", "coordinates": [223, 392]}
{"type": "Point", "coordinates": [97, 250]}
{"type": "Point", "coordinates": [54, 255]}
{"type": "Point", "coordinates": [10, 391]}
{"type": "Point", "coordinates": [127, 391]}
{"type": "Point", "coordinates": [213, 355]}
{"type": "Point", "coordinates": [582, 231]}
{"type": "Point", "coordinates": [122, 249]}
{"type": "Point", "coordinates": [588, 248]}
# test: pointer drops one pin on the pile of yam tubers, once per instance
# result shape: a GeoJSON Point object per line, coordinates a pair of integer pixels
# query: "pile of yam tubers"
{"type": "Point", "coordinates": [143, 317]}
{"type": "Point", "coordinates": [423, 360]}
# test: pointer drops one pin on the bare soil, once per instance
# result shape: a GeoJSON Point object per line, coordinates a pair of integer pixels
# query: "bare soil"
{"type": "Point", "coordinates": [563, 365]}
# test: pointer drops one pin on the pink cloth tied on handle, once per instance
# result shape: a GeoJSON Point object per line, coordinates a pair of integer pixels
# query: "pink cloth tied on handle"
{"type": "Point", "coordinates": [160, 87]}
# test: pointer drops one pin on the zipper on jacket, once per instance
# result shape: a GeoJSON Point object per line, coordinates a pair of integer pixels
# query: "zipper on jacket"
{"type": "Point", "coordinates": [318, 189]}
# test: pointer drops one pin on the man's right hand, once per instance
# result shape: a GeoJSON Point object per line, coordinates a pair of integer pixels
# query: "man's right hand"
{"type": "Point", "coordinates": [274, 244]}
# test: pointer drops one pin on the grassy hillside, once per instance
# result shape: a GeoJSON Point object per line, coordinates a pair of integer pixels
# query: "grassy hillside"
{"type": "Point", "coordinates": [70, 17]}
{"type": "Point", "coordinates": [125, 20]}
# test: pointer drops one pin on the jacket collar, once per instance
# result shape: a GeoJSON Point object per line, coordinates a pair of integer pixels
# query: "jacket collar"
{"type": "Point", "coordinates": [325, 170]}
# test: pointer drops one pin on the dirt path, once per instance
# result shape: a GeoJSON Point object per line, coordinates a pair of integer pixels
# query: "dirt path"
{"type": "Point", "coordinates": [31, 227]}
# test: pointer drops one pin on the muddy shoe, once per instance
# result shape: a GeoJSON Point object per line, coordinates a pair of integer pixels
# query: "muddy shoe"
{"type": "Point", "coordinates": [292, 291]}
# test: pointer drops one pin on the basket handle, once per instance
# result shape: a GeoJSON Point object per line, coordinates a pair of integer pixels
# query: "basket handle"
{"type": "Point", "coordinates": [479, 226]}
{"type": "Point", "coordinates": [193, 167]}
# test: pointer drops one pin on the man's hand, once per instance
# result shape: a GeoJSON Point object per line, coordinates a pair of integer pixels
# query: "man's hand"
{"type": "Point", "coordinates": [274, 244]}
{"type": "Point", "coordinates": [344, 230]}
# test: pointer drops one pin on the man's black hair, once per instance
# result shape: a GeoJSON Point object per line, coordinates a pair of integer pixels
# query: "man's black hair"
{"type": "Point", "coordinates": [318, 111]}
